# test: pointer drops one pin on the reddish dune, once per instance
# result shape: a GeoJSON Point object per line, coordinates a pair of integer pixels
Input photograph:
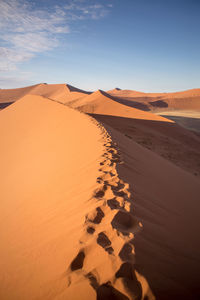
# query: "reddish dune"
{"type": "Point", "coordinates": [45, 192]}
{"type": "Point", "coordinates": [132, 93]}
{"type": "Point", "coordinates": [63, 93]}
{"type": "Point", "coordinates": [100, 207]}
{"type": "Point", "coordinates": [59, 92]}
{"type": "Point", "coordinates": [100, 102]}
{"type": "Point", "coordinates": [160, 135]}
{"type": "Point", "coordinates": [11, 95]}
{"type": "Point", "coordinates": [185, 100]}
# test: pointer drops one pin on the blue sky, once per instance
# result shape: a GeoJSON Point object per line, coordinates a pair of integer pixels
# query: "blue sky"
{"type": "Point", "coordinates": [146, 45]}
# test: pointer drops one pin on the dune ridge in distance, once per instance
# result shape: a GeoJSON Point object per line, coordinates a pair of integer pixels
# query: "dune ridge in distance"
{"type": "Point", "coordinates": [88, 210]}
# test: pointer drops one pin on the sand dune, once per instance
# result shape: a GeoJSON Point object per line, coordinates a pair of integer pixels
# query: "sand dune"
{"type": "Point", "coordinates": [67, 94]}
{"type": "Point", "coordinates": [63, 93]}
{"type": "Point", "coordinates": [132, 93]}
{"type": "Point", "coordinates": [160, 135]}
{"type": "Point", "coordinates": [100, 102]}
{"type": "Point", "coordinates": [100, 207]}
{"type": "Point", "coordinates": [45, 192]}
{"type": "Point", "coordinates": [169, 140]}
{"type": "Point", "coordinates": [166, 201]}
{"type": "Point", "coordinates": [186, 100]}
{"type": "Point", "coordinates": [11, 95]}
{"type": "Point", "coordinates": [59, 92]}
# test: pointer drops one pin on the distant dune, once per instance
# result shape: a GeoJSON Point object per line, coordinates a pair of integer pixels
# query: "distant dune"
{"type": "Point", "coordinates": [99, 198]}
{"type": "Point", "coordinates": [63, 93]}
{"type": "Point", "coordinates": [11, 95]}
{"type": "Point", "coordinates": [185, 100]}
{"type": "Point", "coordinates": [60, 92]}
{"type": "Point", "coordinates": [100, 102]}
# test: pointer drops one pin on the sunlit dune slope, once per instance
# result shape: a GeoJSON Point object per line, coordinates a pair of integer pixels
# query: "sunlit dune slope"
{"type": "Point", "coordinates": [49, 158]}
{"type": "Point", "coordinates": [11, 95]}
{"type": "Point", "coordinates": [100, 102]}
{"type": "Point", "coordinates": [97, 209]}
{"type": "Point", "coordinates": [59, 92]}
{"type": "Point", "coordinates": [63, 93]}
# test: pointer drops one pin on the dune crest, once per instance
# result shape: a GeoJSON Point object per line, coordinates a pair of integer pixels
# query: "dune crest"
{"type": "Point", "coordinates": [62, 93]}
{"type": "Point", "coordinates": [100, 102]}
{"type": "Point", "coordinates": [11, 95]}
{"type": "Point", "coordinates": [45, 190]}
{"type": "Point", "coordinates": [61, 227]}
{"type": "Point", "coordinates": [99, 199]}
{"type": "Point", "coordinates": [184, 100]}
{"type": "Point", "coordinates": [106, 258]}
{"type": "Point", "coordinates": [59, 92]}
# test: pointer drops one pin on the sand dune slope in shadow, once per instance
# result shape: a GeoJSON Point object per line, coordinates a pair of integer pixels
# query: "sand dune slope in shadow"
{"type": "Point", "coordinates": [166, 201]}
{"type": "Point", "coordinates": [171, 141]}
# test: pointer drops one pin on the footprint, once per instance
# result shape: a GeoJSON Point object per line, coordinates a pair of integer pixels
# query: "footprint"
{"type": "Point", "coordinates": [113, 204]}
{"type": "Point", "coordinates": [107, 292]}
{"type": "Point", "coordinates": [77, 263]}
{"type": "Point", "coordinates": [93, 280]}
{"type": "Point", "coordinates": [124, 222]}
{"type": "Point", "coordinates": [99, 194]}
{"type": "Point", "coordinates": [120, 193]}
{"type": "Point", "coordinates": [103, 240]}
{"type": "Point", "coordinates": [129, 280]}
{"type": "Point", "coordinates": [127, 253]}
{"type": "Point", "coordinates": [110, 250]}
{"type": "Point", "coordinates": [90, 230]}
{"type": "Point", "coordinates": [98, 217]}
{"type": "Point", "coordinates": [118, 187]}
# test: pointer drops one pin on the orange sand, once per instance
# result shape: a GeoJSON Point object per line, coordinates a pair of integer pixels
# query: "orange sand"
{"type": "Point", "coordinates": [88, 213]}
{"type": "Point", "coordinates": [186, 100]}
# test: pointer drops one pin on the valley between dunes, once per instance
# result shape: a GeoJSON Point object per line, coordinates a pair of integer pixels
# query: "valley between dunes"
{"type": "Point", "coordinates": [99, 197]}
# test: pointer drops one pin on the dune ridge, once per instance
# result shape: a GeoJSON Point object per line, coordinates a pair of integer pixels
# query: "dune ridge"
{"type": "Point", "coordinates": [67, 94]}
{"type": "Point", "coordinates": [57, 239]}
{"type": "Point", "coordinates": [11, 95]}
{"type": "Point", "coordinates": [184, 100]}
{"type": "Point", "coordinates": [90, 209]}
{"type": "Point", "coordinates": [106, 258]}
{"type": "Point", "coordinates": [62, 93]}
{"type": "Point", "coordinates": [45, 189]}
{"type": "Point", "coordinates": [186, 93]}
{"type": "Point", "coordinates": [100, 102]}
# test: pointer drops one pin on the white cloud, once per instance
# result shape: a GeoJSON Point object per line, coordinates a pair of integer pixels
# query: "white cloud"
{"type": "Point", "coordinates": [33, 42]}
{"type": "Point", "coordinates": [81, 10]}
{"type": "Point", "coordinates": [9, 58]}
{"type": "Point", "coordinates": [26, 29]}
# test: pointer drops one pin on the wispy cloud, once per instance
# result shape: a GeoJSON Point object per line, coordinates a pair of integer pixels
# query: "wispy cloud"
{"type": "Point", "coordinates": [26, 28]}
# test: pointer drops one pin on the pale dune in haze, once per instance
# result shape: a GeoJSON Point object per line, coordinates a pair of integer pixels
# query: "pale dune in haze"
{"type": "Point", "coordinates": [99, 199]}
